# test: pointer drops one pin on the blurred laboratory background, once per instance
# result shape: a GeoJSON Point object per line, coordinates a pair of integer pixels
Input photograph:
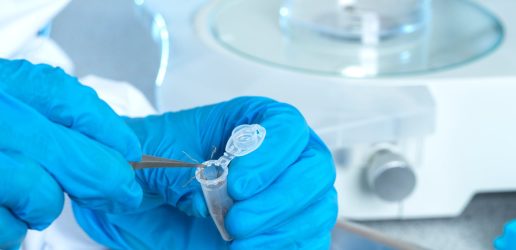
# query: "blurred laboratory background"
{"type": "Point", "coordinates": [413, 97]}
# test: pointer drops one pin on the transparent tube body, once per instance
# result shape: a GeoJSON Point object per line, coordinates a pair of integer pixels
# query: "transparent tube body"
{"type": "Point", "coordinates": [213, 176]}
{"type": "Point", "coordinates": [213, 179]}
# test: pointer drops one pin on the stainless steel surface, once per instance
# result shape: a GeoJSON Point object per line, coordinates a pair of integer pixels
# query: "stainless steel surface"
{"type": "Point", "coordinates": [114, 39]}
{"type": "Point", "coordinates": [158, 162]}
{"type": "Point", "coordinates": [474, 229]}
{"type": "Point", "coordinates": [390, 176]}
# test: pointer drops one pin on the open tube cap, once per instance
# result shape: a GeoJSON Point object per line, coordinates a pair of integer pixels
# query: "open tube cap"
{"type": "Point", "coordinates": [245, 139]}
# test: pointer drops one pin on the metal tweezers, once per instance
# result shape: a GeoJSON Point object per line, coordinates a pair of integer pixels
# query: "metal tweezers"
{"type": "Point", "coordinates": [158, 162]}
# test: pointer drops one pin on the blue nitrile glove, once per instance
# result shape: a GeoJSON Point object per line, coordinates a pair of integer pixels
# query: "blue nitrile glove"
{"type": "Point", "coordinates": [55, 136]}
{"type": "Point", "coordinates": [283, 191]}
{"type": "Point", "coordinates": [508, 240]}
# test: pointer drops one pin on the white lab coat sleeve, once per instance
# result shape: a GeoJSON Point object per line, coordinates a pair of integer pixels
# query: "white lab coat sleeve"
{"type": "Point", "coordinates": [20, 21]}
{"type": "Point", "coordinates": [123, 97]}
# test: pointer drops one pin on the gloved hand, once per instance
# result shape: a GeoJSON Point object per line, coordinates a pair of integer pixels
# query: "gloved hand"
{"type": "Point", "coordinates": [508, 240]}
{"type": "Point", "coordinates": [56, 136]}
{"type": "Point", "coordinates": [283, 192]}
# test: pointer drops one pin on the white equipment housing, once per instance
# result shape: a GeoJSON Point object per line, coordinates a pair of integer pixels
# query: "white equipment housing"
{"type": "Point", "coordinates": [453, 128]}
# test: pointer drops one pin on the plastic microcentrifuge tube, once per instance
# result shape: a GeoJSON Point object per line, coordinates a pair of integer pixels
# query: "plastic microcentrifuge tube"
{"type": "Point", "coordinates": [213, 176]}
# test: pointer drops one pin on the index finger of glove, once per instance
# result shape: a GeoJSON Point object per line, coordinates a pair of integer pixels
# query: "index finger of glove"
{"type": "Point", "coordinates": [94, 175]}
{"type": "Point", "coordinates": [63, 100]}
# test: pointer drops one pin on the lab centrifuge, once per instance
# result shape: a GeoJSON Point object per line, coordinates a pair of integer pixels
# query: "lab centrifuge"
{"type": "Point", "coordinates": [414, 98]}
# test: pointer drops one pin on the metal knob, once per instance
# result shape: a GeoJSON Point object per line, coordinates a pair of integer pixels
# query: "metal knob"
{"type": "Point", "coordinates": [390, 176]}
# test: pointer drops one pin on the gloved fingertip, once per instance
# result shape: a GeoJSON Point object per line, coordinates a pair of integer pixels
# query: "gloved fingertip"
{"type": "Point", "coordinates": [38, 226]}
{"type": "Point", "coordinates": [234, 225]}
{"type": "Point", "coordinates": [508, 239]}
{"type": "Point", "coordinates": [240, 188]}
{"type": "Point", "coordinates": [129, 199]}
{"type": "Point", "coordinates": [135, 195]}
{"type": "Point", "coordinates": [133, 150]}
{"type": "Point", "coordinates": [499, 243]}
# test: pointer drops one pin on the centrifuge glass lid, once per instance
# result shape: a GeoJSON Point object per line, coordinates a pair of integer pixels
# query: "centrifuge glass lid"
{"type": "Point", "coordinates": [457, 33]}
